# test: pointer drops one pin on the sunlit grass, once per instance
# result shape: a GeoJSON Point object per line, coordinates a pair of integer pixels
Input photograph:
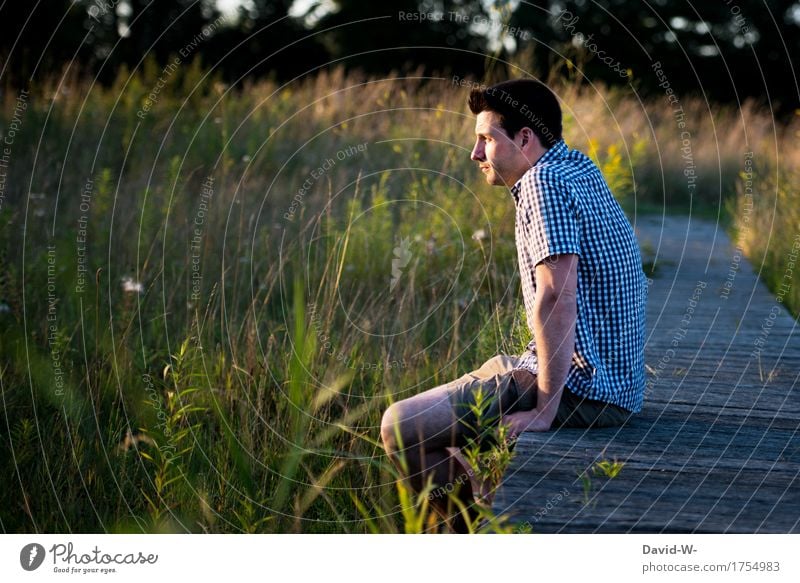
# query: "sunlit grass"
{"type": "Point", "coordinates": [225, 361]}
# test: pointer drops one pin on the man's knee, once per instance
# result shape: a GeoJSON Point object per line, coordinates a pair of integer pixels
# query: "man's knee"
{"type": "Point", "coordinates": [391, 428]}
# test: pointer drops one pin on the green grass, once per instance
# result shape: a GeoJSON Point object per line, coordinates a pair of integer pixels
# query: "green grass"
{"type": "Point", "coordinates": [241, 389]}
{"type": "Point", "coordinates": [766, 225]}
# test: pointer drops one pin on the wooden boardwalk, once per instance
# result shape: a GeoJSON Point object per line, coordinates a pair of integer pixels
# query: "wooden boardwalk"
{"type": "Point", "coordinates": [716, 448]}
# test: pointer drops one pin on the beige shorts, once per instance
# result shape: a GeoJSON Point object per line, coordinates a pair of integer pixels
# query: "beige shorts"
{"type": "Point", "coordinates": [508, 388]}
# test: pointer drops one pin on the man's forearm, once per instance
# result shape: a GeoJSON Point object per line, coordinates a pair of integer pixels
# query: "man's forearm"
{"type": "Point", "coordinates": [554, 323]}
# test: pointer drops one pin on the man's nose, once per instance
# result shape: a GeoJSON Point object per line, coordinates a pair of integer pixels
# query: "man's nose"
{"type": "Point", "coordinates": [477, 152]}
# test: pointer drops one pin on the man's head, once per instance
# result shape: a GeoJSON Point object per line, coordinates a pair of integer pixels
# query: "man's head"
{"type": "Point", "coordinates": [517, 122]}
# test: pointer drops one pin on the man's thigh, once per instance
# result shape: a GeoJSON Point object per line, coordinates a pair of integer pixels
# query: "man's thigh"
{"type": "Point", "coordinates": [443, 416]}
{"type": "Point", "coordinates": [499, 364]}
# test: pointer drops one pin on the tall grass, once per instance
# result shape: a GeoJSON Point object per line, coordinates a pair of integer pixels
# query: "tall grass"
{"type": "Point", "coordinates": [766, 227]}
{"type": "Point", "coordinates": [239, 387]}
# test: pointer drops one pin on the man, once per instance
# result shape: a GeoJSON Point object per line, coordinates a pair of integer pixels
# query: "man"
{"type": "Point", "coordinates": [584, 292]}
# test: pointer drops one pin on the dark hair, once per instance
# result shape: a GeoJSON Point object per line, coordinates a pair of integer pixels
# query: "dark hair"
{"type": "Point", "coordinates": [521, 103]}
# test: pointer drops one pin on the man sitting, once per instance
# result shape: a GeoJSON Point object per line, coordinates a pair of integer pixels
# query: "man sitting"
{"type": "Point", "coordinates": [584, 292]}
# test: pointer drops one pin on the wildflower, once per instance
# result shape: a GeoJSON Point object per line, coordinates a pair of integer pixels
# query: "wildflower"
{"type": "Point", "coordinates": [131, 286]}
{"type": "Point", "coordinates": [479, 235]}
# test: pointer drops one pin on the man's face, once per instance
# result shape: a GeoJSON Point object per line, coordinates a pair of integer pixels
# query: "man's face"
{"type": "Point", "coordinates": [499, 157]}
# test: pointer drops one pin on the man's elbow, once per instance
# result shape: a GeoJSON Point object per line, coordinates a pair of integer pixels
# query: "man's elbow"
{"type": "Point", "coordinates": [549, 299]}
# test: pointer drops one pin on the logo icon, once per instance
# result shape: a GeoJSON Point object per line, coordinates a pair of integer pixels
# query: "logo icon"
{"type": "Point", "coordinates": [31, 556]}
{"type": "Point", "coordinates": [402, 255]}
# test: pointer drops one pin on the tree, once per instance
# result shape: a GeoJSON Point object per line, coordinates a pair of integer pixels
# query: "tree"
{"type": "Point", "coordinates": [438, 35]}
{"type": "Point", "coordinates": [266, 40]}
{"type": "Point", "coordinates": [37, 39]}
{"type": "Point", "coordinates": [716, 49]}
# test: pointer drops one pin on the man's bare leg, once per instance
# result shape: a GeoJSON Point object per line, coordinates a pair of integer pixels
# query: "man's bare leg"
{"type": "Point", "coordinates": [481, 489]}
{"type": "Point", "coordinates": [427, 428]}
{"type": "Point", "coordinates": [450, 479]}
{"type": "Point", "coordinates": [428, 419]}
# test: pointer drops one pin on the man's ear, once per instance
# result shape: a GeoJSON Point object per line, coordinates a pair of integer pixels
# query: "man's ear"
{"type": "Point", "coordinates": [527, 136]}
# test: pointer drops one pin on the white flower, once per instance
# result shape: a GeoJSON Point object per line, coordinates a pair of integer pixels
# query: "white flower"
{"type": "Point", "coordinates": [130, 286]}
{"type": "Point", "coordinates": [479, 235]}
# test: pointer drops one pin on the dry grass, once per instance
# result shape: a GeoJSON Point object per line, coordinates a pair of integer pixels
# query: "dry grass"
{"type": "Point", "coordinates": [252, 402]}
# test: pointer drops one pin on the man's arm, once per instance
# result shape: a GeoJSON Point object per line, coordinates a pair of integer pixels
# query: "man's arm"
{"type": "Point", "coordinates": [555, 313]}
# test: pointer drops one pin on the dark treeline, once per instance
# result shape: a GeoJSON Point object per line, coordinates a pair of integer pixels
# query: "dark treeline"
{"type": "Point", "coordinates": [727, 50]}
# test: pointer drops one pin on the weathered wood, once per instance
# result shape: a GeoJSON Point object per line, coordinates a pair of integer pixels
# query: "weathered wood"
{"type": "Point", "coordinates": [717, 445]}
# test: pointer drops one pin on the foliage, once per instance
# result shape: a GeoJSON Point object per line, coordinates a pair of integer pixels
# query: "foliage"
{"type": "Point", "coordinates": [198, 326]}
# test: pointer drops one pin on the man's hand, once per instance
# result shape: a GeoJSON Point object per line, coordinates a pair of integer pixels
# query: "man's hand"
{"type": "Point", "coordinates": [532, 420]}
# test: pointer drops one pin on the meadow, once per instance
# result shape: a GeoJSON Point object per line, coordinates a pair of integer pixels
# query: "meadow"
{"type": "Point", "coordinates": [210, 294]}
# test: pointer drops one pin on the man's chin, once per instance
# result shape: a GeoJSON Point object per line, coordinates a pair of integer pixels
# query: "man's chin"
{"type": "Point", "coordinates": [494, 180]}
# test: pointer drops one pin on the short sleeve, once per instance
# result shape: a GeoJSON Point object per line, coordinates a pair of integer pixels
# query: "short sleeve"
{"type": "Point", "coordinates": [549, 216]}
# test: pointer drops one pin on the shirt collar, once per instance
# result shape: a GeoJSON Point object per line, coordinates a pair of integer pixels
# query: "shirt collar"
{"type": "Point", "coordinates": [555, 152]}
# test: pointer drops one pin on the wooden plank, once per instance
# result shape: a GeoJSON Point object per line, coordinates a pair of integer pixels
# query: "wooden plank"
{"type": "Point", "coordinates": [658, 489]}
{"type": "Point", "coordinates": [717, 445]}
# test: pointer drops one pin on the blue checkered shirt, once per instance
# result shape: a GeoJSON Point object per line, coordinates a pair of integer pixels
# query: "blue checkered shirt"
{"type": "Point", "coordinates": [563, 205]}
